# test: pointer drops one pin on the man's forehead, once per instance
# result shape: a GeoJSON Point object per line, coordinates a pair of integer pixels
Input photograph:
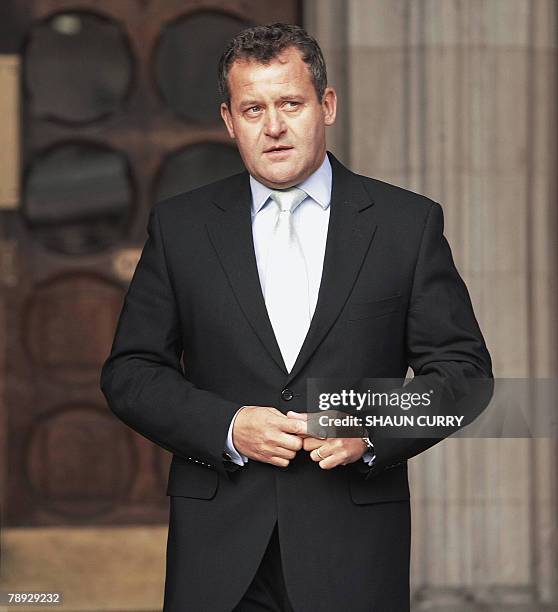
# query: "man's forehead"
{"type": "Point", "coordinates": [247, 74]}
{"type": "Point", "coordinates": [255, 82]}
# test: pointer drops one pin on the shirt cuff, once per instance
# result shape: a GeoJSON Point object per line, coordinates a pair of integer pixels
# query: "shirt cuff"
{"type": "Point", "coordinates": [234, 455]}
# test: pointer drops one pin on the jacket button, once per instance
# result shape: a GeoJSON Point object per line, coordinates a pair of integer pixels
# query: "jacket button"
{"type": "Point", "coordinates": [287, 395]}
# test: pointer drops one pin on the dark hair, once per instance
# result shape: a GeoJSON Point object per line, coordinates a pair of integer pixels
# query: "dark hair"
{"type": "Point", "coordinates": [265, 42]}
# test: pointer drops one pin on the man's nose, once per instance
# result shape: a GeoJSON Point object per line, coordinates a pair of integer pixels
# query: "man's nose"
{"type": "Point", "coordinates": [274, 124]}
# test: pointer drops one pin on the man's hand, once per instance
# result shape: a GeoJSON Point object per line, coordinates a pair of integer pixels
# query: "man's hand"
{"type": "Point", "coordinates": [265, 434]}
{"type": "Point", "coordinates": [333, 451]}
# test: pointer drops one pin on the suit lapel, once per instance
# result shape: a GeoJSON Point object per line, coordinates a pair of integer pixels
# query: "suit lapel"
{"type": "Point", "coordinates": [351, 228]}
{"type": "Point", "coordinates": [231, 235]}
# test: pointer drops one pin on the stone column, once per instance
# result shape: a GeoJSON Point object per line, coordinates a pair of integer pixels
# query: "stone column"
{"type": "Point", "coordinates": [328, 21]}
{"type": "Point", "coordinates": [457, 100]}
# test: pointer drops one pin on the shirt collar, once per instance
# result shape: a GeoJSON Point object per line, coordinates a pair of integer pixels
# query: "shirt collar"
{"type": "Point", "coordinates": [317, 186]}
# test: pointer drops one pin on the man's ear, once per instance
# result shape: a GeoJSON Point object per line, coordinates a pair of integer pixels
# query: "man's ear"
{"type": "Point", "coordinates": [329, 105]}
{"type": "Point", "coordinates": [226, 116]}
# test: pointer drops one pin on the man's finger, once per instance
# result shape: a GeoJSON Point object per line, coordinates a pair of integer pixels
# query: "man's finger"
{"type": "Point", "coordinates": [289, 441]}
{"type": "Point", "coordinates": [278, 461]}
{"type": "Point", "coordinates": [329, 463]}
{"type": "Point", "coordinates": [311, 443]}
{"type": "Point", "coordinates": [327, 458]}
{"type": "Point", "coordinates": [285, 453]}
{"type": "Point", "coordinates": [303, 416]}
{"type": "Point", "coordinates": [294, 426]}
{"type": "Point", "coordinates": [320, 453]}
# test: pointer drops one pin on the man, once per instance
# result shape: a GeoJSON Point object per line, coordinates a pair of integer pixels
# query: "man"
{"type": "Point", "coordinates": [294, 270]}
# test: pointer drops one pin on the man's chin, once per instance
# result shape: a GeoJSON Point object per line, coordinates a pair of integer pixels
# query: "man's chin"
{"type": "Point", "coordinates": [279, 178]}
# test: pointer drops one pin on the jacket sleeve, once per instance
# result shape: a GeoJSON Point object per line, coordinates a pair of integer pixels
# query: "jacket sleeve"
{"type": "Point", "coordinates": [445, 348]}
{"type": "Point", "coordinates": [143, 380]}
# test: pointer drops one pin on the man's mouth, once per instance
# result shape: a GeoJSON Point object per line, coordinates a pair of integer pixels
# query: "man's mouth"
{"type": "Point", "coordinates": [278, 150]}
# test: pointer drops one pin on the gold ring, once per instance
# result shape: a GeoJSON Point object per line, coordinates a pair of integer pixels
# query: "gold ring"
{"type": "Point", "coordinates": [319, 454]}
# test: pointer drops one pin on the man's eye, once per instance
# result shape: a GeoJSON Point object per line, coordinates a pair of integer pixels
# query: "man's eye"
{"type": "Point", "coordinates": [293, 104]}
{"type": "Point", "coordinates": [253, 109]}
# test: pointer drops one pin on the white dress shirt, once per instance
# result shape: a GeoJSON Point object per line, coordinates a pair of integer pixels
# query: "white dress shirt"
{"type": "Point", "coordinates": [311, 220]}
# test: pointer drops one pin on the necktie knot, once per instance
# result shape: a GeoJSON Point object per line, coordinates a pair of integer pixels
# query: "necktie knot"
{"type": "Point", "coordinates": [288, 199]}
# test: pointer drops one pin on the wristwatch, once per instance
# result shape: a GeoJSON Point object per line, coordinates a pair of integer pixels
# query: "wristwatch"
{"type": "Point", "coordinates": [369, 450]}
{"type": "Point", "coordinates": [367, 441]}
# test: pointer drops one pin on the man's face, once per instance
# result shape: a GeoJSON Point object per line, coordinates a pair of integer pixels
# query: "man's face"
{"type": "Point", "coordinates": [276, 118]}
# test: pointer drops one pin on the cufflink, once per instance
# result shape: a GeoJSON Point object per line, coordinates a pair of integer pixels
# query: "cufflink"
{"type": "Point", "coordinates": [226, 456]}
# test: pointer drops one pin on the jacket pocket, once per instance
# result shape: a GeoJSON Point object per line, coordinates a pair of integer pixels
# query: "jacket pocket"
{"type": "Point", "coordinates": [190, 479]}
{"type": "Point", "coordinates": [390, 485]}
{"type": "Point", "coordinates": [377, 308]}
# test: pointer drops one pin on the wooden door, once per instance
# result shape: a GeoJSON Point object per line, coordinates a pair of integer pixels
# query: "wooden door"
{"type": "Point", "coordinates": [119, 108]}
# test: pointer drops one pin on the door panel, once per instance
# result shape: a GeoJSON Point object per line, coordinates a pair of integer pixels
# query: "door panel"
{"type": "Point", "coordinates": [118, 110]}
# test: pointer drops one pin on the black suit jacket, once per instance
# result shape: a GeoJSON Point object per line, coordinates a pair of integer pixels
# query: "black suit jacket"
{"type": "Point", "coordinates": [390, 297]}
